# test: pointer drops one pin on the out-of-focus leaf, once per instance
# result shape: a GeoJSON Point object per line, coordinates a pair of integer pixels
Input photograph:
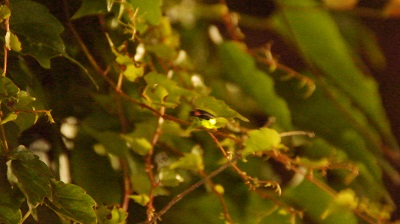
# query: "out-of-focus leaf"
{"type": "Point", "coordinates": [38, 31]}
{"type": "Point", "coordinates": [110, 214]}
{"type": "Point", "coordinates": [330, 123]}
{"type": "Point", "coordinates": [344, 200]}
{"type": "Point", "coordinates": [4, 12]}
{"type": "Point", "coordinates": [169, 177]}
{"type": "Point", "coordinates": [139, 178]}
{"type": "Point", "coordinates": [241, 69]}
{"type": "Point", "coordinates": [319, 39]}
{"type": "Point", "coordinates": [90, 7]}
{"type": "Point", "coordinates": [168, 90]}
{"type": "Point", "coordinates": [7, 88]}
{"type": "Point", "coordinates": [304, 195]}
{"type": "Point", "coordinates": [113, 141]}
{"type": "Point", "coordinates": [139, 145]}
{"type": "Point", "coordinates": [361, 40]}
{"type": "Point", "coordinates": [199, 209]}
{"type": "Point", "coordinates": [149, 11]}
{"type": "Point", "coordinates": [94, 173]}
{"type": "Point", "coordinates": [72, 202]}
{"type": "Point", "coordinates": [270, 213]}
{"type": "Point", "coordinates": [261, 140]}
{"type": "Point", "coordinates": [190, 161]}
{"type": "Point", "coordinates": [30, 174]}
{"type": "Point", "coordinates": [141, 199]}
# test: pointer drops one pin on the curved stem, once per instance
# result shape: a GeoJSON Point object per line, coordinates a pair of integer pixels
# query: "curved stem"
{"type": "Point", "coordinates": [177, 198]}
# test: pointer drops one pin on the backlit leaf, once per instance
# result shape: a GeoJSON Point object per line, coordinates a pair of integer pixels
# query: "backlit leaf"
{"type": "Point", "coordinates": [12, 42]}
{"type": "Point", "coordinates": [4, 12]}
{"type": "Point", "coordinates": [141, 199]}
{"type": "Point", "coordinates": [261, 140]}
{"type": "Point", "coordinates": [190, 161]}
{"type": "Point", "coordinates": [111, 215]}
{"type": "Point", "coordinates": [149, 11]}
{"type": "Point", "coordinates": [217, 108]}
{"type": "Point", "coordinates": [171, 94]}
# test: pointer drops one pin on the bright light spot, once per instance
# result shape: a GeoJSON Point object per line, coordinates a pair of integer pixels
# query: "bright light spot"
{"type": "Point", "coordinates": [182, 57]}
{"type": "Point", "coordinates": [213, 121]}
{"type": "Point", "coordinates": [41, 147]}
{"type": "Point", "coordinates": [115, 162]}
{"type": "Point", "coordinates": [215, 35]}
{"type": "Point", "coordinates": [232, 88]}
{"type": "Point", "coordinates": [183, 13]}
{"type": "Point", "coordinates": [65, 174]}
{"type": "Point", "coordinates": [197, 81]}
{"type": "Point", "coordinates": [140, 51]}
{"type": "Point", "coordinates": [179, 178]}
{"type": "Point", "coordinates": [69, 128]}
{"type": "Point", "coordinates": [170, 74]}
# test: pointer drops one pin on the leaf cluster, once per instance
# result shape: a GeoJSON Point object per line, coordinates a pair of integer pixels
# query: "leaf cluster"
{"type": "Point", "coordinates": [114, 111]}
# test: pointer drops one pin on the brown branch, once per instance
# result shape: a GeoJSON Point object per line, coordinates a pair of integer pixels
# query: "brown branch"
{"type": "Point", "coordinates": [220, 197]}
{"type": "Point", "coordinates": [149, 166]}
{"type": "Point", "coordinates": [178, 197]}
{"type": "Point", "coordinates": [127, 186]}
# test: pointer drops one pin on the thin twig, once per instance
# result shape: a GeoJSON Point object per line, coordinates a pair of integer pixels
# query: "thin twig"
{"type": "Point", "coordinates": [220, 198]}
{"type": "Point", "coordinates": [192, 188]}
{"type": "Point", "coordinates": [149, 165]}
{"type": "Point", "coordinates": [127, 186]}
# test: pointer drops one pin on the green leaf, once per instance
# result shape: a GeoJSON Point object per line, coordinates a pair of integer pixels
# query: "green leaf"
{"type": "Point", "coordinates": [318, 37]}
{"type": "Point", "coordinates": [149, 11]}
{"type": "Point", "coordinates": [241, 69]}
{"type": "Point", "coordinates": [30, 174]}
{"type": "Point", "coordinates": [10, 202]}
{"type": "Point", "coordinates": [96, 175]}
{"type": "Point", "coordinates": [12, 42]}
{"type": "Point", "coordinates": [71, 202]}
{"type": "Point", "coordinates": [38, 30]}
{"type": "Point", "coordinates": [7, 88]}
{"type": "Point", "coordinates": [111, 215]}
{"type": "Point", "coordinates": [90, 8]}
{"type": "Point", "coordinates": [304, 195]}
{"type": "Point", "coordinates": [169, 177]}
{"type": "Point", "coordinates": [113, 141]}
{"type": "Point", "coordinates": [4, 12]}
{"type": "Point", "coordinates": [10, 117]}
{"type": "Point", "coordinates": [139, 145]}
{"type": "Point", "coordinates": [217, 108]}
{"type": "Point", "coordinates": [190, 161]}
{"type": "Point", "coordinates": [344, 200]}
{"type": "Point", "coordinates": [261, 140]}
{"type": "Point", "coordinates": [141, 199]}
{"type": "Point", "coordinates": [169, 92]}
{"type": "Point", "coordinates": [156, 94]}
{"type": "Point", "coordinates": [139, 177]}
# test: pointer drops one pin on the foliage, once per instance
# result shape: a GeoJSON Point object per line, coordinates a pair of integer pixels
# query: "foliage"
{"type": "Point", "coordinates": [139, 104]}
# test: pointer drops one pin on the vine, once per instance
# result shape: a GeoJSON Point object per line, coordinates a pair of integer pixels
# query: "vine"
{"type": "Point", "coordinates": [146, 106]}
